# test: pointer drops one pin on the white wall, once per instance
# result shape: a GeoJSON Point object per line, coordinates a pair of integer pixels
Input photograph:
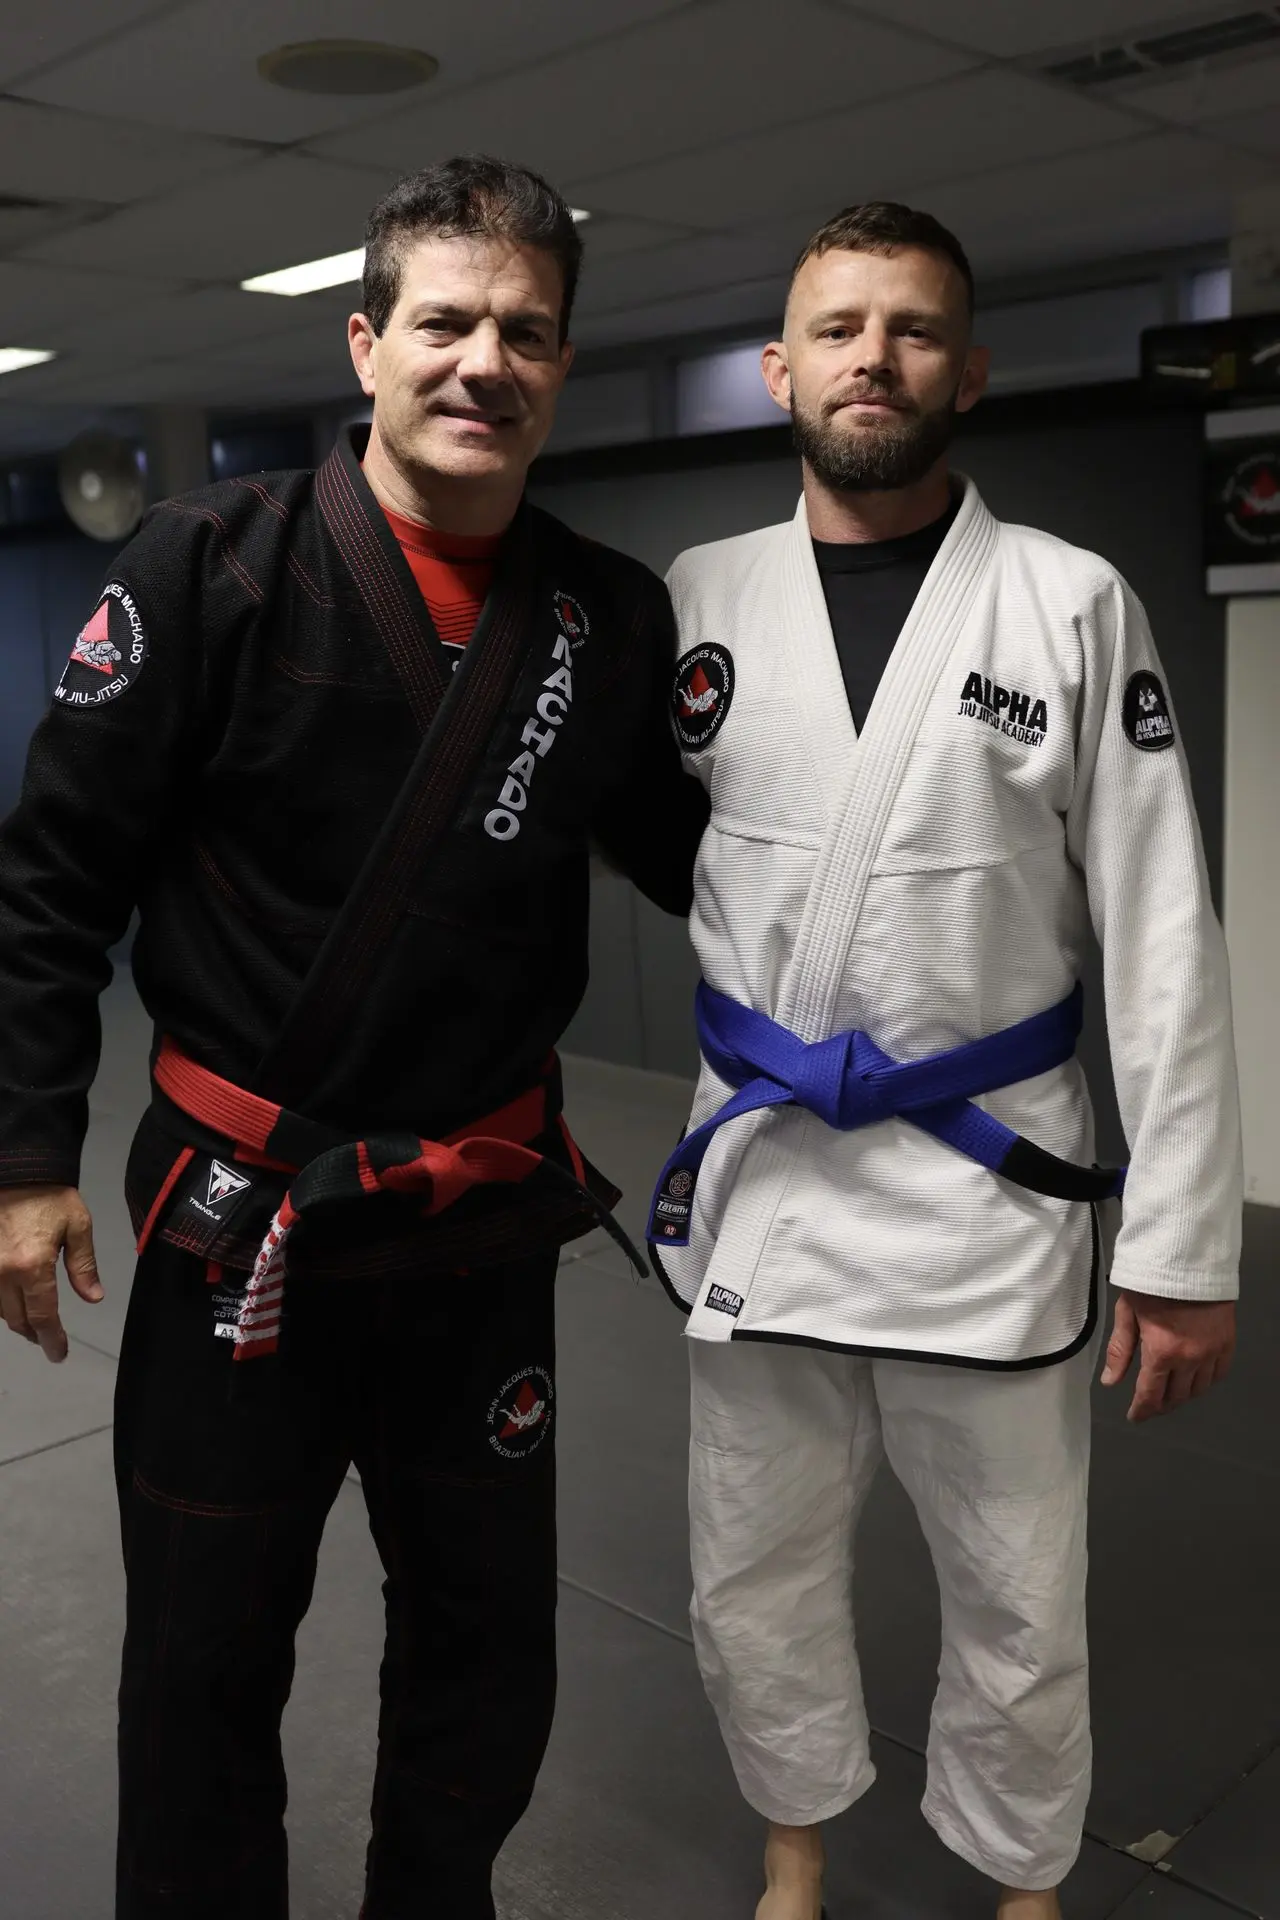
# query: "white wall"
{"type": "Point", "coordinates": [1251, 879]}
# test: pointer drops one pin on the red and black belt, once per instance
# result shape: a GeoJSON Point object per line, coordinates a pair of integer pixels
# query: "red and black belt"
{"type": "Point", "coordinates": [325, 1167]}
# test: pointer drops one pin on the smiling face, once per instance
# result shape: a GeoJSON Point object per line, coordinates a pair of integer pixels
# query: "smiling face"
{"type": "Point", "coordinates": [464, 377]}
{"type": "Point", "coordinates": [874, 364]}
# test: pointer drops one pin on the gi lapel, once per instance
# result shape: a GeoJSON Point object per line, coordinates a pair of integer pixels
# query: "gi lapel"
{"type": "Point", "coordinates": [813, 665]}
{"type": "Point", "coordinates": [862, 798]}
{"type": "Point", "coordinates": [359, 530]}
{"type": "Point", "coordinates": [868, 790]}
{"type": "Point", "coordinates": [457, 713]}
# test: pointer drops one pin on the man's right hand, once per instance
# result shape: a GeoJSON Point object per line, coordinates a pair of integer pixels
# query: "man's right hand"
{"type": "Point", "coordinates": [36, 1225]}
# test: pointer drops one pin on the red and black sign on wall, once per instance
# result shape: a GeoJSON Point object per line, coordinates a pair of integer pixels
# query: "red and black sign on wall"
{"type": "Point", "coordinates": [1242, 503]}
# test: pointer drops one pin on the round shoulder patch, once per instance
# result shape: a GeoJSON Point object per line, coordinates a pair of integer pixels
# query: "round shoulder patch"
{"type": "Point", "coordinates": [109, 654]}
{"type": "Point", "coordinates": [1147, 720]}
{"type": "Point", "coordinates": [702, 695]}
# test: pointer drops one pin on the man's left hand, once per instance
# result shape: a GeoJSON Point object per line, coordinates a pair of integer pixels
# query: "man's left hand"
{"type": "Point", "coordinates": [1186, 1345]}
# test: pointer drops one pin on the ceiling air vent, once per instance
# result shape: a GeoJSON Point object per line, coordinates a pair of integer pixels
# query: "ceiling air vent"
{"type": "Point", "coordinates": [1214, 42]}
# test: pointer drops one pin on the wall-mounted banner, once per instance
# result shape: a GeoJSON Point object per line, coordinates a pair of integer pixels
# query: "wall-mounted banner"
{"type": "Point", "coordinates": [1242, 501]}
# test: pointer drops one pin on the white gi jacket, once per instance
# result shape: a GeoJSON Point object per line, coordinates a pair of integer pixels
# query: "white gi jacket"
{"type": "Point", "coordinates": [931, 882]}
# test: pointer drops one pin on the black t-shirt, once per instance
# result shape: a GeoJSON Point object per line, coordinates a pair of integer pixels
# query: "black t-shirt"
{"type": "Point", "coordinates": [870, 589]}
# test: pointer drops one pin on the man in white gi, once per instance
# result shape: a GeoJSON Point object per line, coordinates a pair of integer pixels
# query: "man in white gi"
{"type": "Point", "coordinates": [937, 748]}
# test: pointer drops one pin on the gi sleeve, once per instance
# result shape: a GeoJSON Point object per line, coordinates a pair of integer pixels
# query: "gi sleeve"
{"type": "Point", "coordinates": [103, 784]}
{"type": "Point", "coordinates": [652, 816]}
{"type": "Point", "coordinates": [1132, 830]}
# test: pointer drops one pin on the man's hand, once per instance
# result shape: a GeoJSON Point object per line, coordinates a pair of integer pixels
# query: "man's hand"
{"type": "Point", "coordinates": [1186, 1346]}
{"type": "Point", "coordinates": [36, 1225]}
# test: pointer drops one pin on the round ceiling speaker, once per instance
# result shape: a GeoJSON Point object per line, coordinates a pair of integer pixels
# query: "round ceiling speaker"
{"type": "Point", "coordinates": [347, 67]}
{"type": "Point", "coordinates": [101, 485]}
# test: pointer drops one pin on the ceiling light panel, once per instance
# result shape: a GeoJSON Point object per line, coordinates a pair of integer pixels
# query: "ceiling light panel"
{"type": "Point", "coordinates": [13, 359]}
{"type": "Point", "coordinates": [338, 270]}
{"type": "Point", "coordinates": [313, 275]}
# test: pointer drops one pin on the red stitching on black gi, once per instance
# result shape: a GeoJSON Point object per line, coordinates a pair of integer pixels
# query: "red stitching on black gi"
{"type": "Point", "coordinates": [401, 631]}
{"type": "Point", "coordinates": [241, 573]}
{"type": "Point", "coordinates": [322, 679]}
{"type": "Point", "coordinates": [307, 584]}
{"type": "Point", "coordinates": [197, 1509]}
{"type": "Point", "coordinates": [267, 499]}
{"type": "Point", "coordinates": [292, 561]}
{"type": "Point", "coordinates": [298, 928]}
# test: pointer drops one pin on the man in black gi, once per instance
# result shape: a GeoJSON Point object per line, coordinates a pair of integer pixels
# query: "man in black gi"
{"type": "Point", "coordinates": [356, 831]}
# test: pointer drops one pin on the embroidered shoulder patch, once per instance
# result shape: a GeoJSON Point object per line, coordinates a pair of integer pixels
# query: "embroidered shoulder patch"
{"type": "Point", "coordinates": [1147, 720]}
{"type": "Point", "coordinates": [108, 655]}
{"type": "Point", "coordinates": [702, 695]}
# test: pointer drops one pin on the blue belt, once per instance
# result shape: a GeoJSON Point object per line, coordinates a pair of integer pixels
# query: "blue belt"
{"type": "Point", "coordinates": [849, 1082]}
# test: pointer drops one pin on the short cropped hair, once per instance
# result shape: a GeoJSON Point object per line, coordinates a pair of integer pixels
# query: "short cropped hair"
{"type": "Point", "coordinates": [468, 195]}
{"type": "Point", "coordinates": [882, 226]}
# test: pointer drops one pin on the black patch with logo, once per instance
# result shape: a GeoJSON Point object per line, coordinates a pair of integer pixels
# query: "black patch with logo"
{"type": "Point", "coordinates": [520, 1413]}
{"type": "Point", "coordinates": [724, 1300]}
{"type": "Point", "coordinates": [109, 653]}
{"type": "Point", "coordinates": [1148, 723]}
{"type": "Point", "coordinates": [212, 1201]}
{"type": "Point", "coordinates": [702, 695]}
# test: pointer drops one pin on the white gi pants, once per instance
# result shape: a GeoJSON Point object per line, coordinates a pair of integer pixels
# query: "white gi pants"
{"type": "Point", "coordinates": [785, 1443]}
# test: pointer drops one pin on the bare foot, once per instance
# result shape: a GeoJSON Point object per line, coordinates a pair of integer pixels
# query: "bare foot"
{"type": "Point", "coordinates": [793, 1861]}
{"type": "Point", "coordinates": [1028, 1906]}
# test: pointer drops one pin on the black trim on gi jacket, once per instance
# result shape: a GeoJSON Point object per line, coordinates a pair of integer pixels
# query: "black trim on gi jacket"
{"type": "Point", "coordinates": [967, 1360]}
{"type": "Point", "coordinates": [294, 791]}
{"type": "Point", "coordinates": [457, 713]}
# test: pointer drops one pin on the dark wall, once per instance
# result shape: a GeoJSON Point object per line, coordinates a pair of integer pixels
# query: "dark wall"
{"type": "Point", "coordinates": [48, 587]}
{"type": "Point", "coordinates": [1127, 486]}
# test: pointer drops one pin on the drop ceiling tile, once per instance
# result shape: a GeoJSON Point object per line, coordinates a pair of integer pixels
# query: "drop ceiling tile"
{"type": "Point", "coordinates": [324, 347]}
{"type": "Point", "coordinates": [207, 319]}
{"type": "Point", "coordinates": [1208, 94]}
{"type": "Point", "coordinates": [880, 149]}
{"type": "Point", "coordinates": [1010, 28]}
{"type": "Point", "coordinates": [690, 267]}
{"type": "Point", "coordinates": [1162, 190]}
{"type": "Point", "coordinates": [200, 61]}
{"type": "Point", "coordinates": [752, 304]}
{"type": "Point", "coordinates": [50, 154]}
{"type": "Point", "coordinates": [608, 236]}
{"type": "Point", "coordinates": [36, 36]}
{"type": "Point", "coordinates": [38, 303]}
{"type": "Point", "coordinates": [675, 85]}
{"type": "Point", "coordinates": [1255, 132]}
{"type": "Point", "coordinates": [272, 212]}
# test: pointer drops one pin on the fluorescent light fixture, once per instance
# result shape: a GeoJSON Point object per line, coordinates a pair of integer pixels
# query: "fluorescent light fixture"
{"type": "Point", "coordinates": [338, 270]}
{"type": "Point", "coordinates": [14, 358]}
{"type": "Point", "coordinates": [335, 271]}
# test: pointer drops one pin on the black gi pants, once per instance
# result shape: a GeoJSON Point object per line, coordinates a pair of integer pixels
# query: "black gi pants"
{"type": "Point", "coordinates": [441, 1393]}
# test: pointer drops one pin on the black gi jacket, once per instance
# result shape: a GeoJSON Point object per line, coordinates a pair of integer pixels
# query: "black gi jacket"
{"type": "Point", "coordinates": [279, 705]}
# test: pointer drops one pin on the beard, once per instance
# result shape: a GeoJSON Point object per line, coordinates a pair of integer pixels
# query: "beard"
{"type": "Point", "coordinates": [878, 457]}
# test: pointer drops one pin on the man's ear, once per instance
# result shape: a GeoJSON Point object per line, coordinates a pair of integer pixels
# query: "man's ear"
{"type": "Point", "coordinates": [777, 374]}
{"type": "Point", "coordinates": [973, 381]}
{"type": "Point", "coordinates": [363, 342]}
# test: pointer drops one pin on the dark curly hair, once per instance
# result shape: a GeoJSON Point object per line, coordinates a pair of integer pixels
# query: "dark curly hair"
{"type": "Point", "coordinates": [470, 194]}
